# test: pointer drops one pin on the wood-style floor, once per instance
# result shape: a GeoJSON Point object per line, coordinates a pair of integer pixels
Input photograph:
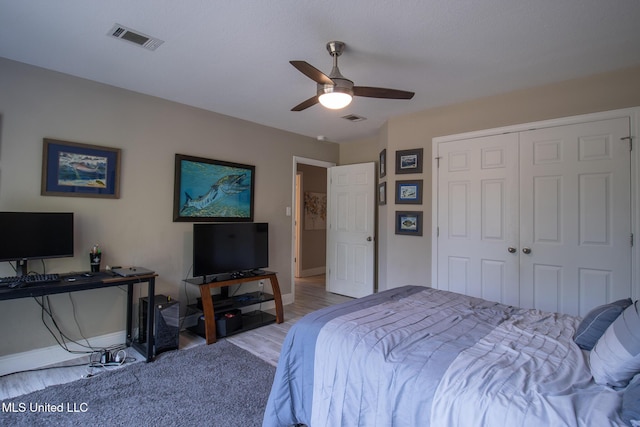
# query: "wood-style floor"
{"type": "Point", "coordinates": [264, 342]}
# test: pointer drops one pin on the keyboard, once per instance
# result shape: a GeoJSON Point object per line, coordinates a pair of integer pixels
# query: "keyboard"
{"type": "Point", "coordinates": [29, 279]}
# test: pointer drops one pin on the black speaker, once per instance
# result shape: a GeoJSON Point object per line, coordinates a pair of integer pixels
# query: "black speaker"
{"type": "Point", "coordinates": [166, 324]}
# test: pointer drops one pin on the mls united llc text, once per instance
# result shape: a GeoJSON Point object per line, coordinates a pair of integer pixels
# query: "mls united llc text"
{"type": "Point", "coordinates": [67, 407]}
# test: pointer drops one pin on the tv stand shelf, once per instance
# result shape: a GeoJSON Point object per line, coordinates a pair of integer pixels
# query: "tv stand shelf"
{"type": "Point", "coordinates": [239, 301]}
{"type": "Point", "coordinates": [250, 320]}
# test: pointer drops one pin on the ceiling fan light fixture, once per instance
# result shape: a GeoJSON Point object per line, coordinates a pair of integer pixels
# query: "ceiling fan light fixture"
{"type": "Point", "coordinates": [335, 100]}
{"type": "Point", "coordinates": [335, 91]}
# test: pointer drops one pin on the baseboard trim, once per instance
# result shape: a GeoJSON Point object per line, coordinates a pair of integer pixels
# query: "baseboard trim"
{"type": "Point", "coordinates": [313, 271]}
{"type": "Point", "coordinates": [46, 356]}
{"type": "Point", "coordinates": [287, 299]}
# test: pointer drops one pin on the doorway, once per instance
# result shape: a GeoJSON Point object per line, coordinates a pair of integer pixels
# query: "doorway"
{"type": "Point", "coordinates": [309, 228]}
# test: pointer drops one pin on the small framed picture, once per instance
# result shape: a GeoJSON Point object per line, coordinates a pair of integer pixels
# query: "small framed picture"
{"type": "Point", "coordinates": [74, 169]}
{"type": "Point", "coordinates": [382, 193]}
{"type": "Point", "coordinates": [409, 192]}
{"type": "Point", "coordinates": [409, 161]}
{"type": "Point", "coordinates": [409, 223]}
{"type": "Point", "coordinates": [383, 163]}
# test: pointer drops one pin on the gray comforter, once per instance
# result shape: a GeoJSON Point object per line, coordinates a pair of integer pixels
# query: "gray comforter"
{"type": "Point", "coordinates": [416, 356]}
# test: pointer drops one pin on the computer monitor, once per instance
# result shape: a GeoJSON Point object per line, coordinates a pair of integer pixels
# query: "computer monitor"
{"type": "Point", "coordinates": [35, 235]}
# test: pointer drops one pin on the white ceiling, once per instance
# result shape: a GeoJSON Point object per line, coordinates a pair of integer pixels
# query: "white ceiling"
{"type": "Point", "coordinates": [232, 57]}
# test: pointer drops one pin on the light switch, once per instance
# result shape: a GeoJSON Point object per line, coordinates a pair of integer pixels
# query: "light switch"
{"type": "Point", "coordinates": [288, 211]}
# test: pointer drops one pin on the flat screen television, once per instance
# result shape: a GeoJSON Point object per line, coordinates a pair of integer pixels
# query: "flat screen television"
{"type": "Point", "coordinates": [220, 248]}
{"type": "Point", "coordinates": [35, 235]}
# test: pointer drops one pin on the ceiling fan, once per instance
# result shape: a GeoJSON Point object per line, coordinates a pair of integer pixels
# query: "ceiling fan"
{"type": "Point", "coordinates": [335, 91]}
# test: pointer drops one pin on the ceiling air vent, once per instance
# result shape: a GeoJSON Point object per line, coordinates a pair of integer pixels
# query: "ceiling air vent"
{"type": "Point", "coordinates": [121, 32]}
{"type": "Point", "coordinates": [354, 118]}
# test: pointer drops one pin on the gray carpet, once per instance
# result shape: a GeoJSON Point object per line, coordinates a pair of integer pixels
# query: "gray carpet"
{"type": "Point", "coordinates": [212, 385]}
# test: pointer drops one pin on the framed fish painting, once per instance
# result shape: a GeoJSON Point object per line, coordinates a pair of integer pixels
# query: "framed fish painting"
{"type": "Point", "coordinates": [409, 223]}
{"type": "Point", "coordinates": [212, 190]}
{"type": "Point", "coordinates": [79, 170]}
{"type": "Point", "coordinates": [409, 161]}
{"type": "Point", "coordinates": [409, 192]}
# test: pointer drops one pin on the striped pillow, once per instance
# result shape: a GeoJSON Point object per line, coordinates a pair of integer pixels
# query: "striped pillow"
{"type": "Point", "coordinates": [615, 359]}
{"type": "Point", "coordinates": [597, 321]}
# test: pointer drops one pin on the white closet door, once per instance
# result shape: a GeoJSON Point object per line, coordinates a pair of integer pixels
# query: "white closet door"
{"type": "Point", "coordinates": [558, 198]}
{"type": "Point", "coordinates": [478, 217]}
{"type": "Point", "coordinates": [575, 215]}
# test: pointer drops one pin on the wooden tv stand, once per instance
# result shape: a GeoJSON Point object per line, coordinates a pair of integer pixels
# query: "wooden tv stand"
{"type": "Point", "coordinates": [207, 303]}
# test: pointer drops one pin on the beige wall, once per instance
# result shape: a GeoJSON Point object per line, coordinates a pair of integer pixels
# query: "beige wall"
{"type": "Point", "coordinates": [407, 259]}
{"type": "Point", "coordinates": [360, 151]}
{"type": "Point", "coordinates": [136, 229]}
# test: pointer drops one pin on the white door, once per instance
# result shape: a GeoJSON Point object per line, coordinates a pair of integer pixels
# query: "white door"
{"type": "Point", "coordinates": [351, 229]}
{"type": "Point", "coordinates": [560, 240]}
{"type": "Point", "coordinates": [575, 213]}
{"type": "Point", "coordinates": [478, 217]}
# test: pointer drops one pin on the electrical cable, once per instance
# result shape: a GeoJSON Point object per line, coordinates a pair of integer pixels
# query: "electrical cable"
{"type": "Point", "coordinates": [63, 336]}
{"type": "Point", "coordinates": [63, 339]}
{"type": "Point", "coordinates": [75, 318]}
{"type": "Point", "coordinates": [46, 368]}
{"type": "Point", "coordinates": [46, 308]}
{"type": "Point", "coordinates": [186, 295]}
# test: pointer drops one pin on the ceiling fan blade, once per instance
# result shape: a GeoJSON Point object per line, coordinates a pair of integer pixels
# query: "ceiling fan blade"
{"type": "Point", "coordinates": [306, 104]}
{"type": "Point", "coordinates": [312, 72]}
{"type": "Point", "coordinates": [381, 92]}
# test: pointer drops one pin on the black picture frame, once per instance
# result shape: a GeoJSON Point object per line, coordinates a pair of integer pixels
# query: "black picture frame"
{"type": "Point", "coordinates": [409, 192]}
{"type": "Point", "coordinates": [207, 190]}
{"type": "Point", "coordinates": [382, 193]}
{"type": "Point", "coordinates": [409, 223]}
{"type": "Point", "coordinates": [382, 165]}
{"type": "Point", "coordinates": [73, 169]}
{"type": "Point", "coordinates": [409, 161]}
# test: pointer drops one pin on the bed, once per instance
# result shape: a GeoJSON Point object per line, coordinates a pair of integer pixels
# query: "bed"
{"type": "Point", "coordinates": [416, 356]}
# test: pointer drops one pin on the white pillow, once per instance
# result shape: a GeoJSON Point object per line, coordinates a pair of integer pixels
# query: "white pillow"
{"type": "Point", "coordinates": [615, 359]}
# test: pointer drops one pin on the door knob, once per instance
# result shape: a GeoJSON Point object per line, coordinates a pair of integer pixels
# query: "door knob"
{"type": "Point", "coordinates": [512, 250]}
{"type": "Point", "coordinates": [369, 239]}
{"type": "Point", "coordinates": [526, 250]}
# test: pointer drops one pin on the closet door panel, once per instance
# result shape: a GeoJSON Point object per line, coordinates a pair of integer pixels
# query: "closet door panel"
{"type": "Point", "coordinates": [477, 217]}
{"type": "Point", "coordinates": [575, 216]}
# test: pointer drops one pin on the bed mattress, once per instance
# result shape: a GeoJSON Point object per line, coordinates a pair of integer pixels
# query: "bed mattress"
{"type": "Point", "coordinates": [418, 356]}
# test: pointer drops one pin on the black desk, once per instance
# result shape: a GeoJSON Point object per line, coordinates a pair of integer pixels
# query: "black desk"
{"type": "Point", "coordinates": [97, 281]}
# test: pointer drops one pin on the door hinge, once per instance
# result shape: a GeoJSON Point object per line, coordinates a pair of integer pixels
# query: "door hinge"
{"type": "Point", "coordinates": [630, 139]}
{"type": "Point", "coordinates": [631, 239]}
{"type": "Point", "coordinates": [437, 231]}
{"type": "Point", "coordinates": [438, 162]}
